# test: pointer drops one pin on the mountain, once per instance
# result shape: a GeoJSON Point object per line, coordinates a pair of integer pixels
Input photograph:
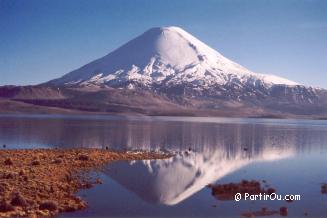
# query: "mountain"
{"type": "Point", "coordinates": [167, 56]}
{"type": "Point", "coordinates": [167, 71]}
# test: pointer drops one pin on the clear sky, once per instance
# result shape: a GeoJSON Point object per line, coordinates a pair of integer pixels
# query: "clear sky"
{"type": "Point", "coordinates": [42, 40]}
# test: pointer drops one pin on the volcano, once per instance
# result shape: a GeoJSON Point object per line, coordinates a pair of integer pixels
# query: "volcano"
{"type": "Point", "coordinates": [165, 56]}
{"type": "Point", "coordinates": [167, 71]}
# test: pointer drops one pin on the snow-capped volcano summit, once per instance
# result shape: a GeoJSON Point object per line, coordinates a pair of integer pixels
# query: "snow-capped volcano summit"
{"type": "Point", "coordinates": [167, 71]}
{"type": "Point", "coordinates": [166, 56]}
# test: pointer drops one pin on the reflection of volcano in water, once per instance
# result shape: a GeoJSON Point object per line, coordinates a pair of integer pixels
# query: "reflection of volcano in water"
{"type": "Point", "coordinates": [171, 181]}
{"type": "Point", "coordinates": [151, 133]}
{"type": "Point", "coordinates": [218, 151]}
{"type": "Point", "coordinates": [217, 147]}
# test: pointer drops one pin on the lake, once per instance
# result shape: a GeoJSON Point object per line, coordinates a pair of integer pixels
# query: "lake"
{"type": "Point", "coordinates": [288, 155]}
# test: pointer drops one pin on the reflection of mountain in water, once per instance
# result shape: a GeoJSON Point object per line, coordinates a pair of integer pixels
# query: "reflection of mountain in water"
{"type": "Point", "coordinates": [171, 181]}
{"type": "Point", "coordinates": [152, 134]}
{"type": "Point", "coordinates": [217, 147]}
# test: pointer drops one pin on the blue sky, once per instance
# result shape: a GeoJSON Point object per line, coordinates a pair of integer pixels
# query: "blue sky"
{"type": "Point", "coordinates": [42, 40]}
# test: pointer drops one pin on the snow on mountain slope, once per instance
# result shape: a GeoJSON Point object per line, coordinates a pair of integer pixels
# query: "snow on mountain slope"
{"type": "Point", "coordinates": [166, 56]}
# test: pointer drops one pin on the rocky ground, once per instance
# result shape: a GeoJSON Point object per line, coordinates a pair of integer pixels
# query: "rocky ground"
{"type": "Point", "coordinates": [43, 182]}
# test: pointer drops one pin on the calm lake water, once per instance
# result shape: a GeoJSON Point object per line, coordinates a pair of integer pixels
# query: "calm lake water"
{"type": "Point", "coordinates": [291, 155]}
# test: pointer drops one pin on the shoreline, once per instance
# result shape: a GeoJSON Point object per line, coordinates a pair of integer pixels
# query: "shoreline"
{"type": "Point", "coordinates": [15, 107]}
{"type": "Point", "coordinates": [138, 117]}
{"type": "Point", "coordinates": [44, 182]}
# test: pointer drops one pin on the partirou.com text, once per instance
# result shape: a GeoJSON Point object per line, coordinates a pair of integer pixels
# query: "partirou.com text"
{"type": "Point", "coordinates": [266, 197]}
